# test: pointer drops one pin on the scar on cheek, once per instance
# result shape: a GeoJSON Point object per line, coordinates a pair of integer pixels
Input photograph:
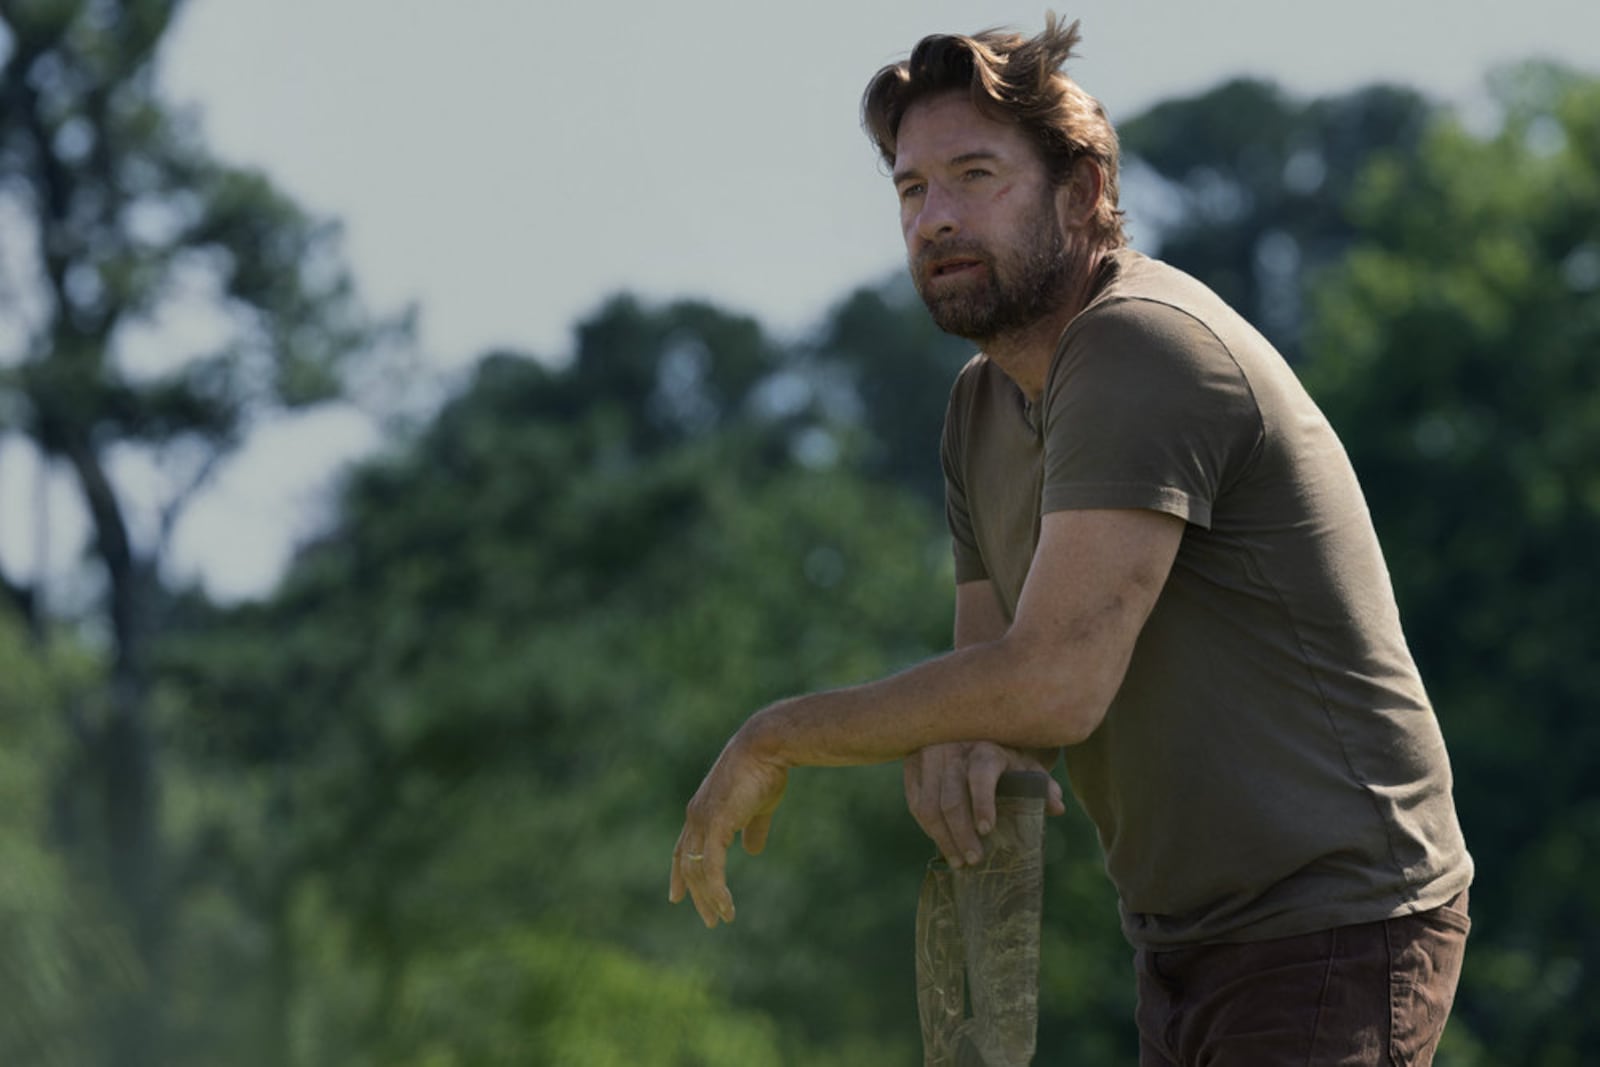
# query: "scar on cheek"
{"type": "Point", "coordinates": [1005, 191]}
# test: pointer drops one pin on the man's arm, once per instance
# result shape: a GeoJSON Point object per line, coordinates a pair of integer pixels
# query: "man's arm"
{"type": "Point", "coordinates": [950, 788]}
{"type": "Point", "coordinates": [1045, 682]}
{"type": "Point", "coordinates": [979, 616]}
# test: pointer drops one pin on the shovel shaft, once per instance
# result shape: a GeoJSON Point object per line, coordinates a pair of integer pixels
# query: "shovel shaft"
{"type": "Point", "coordinates": [978, 939]}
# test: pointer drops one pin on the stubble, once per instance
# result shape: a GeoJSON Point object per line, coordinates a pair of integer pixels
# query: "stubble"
{"type": "Point", "coordinates": [1019, 286]}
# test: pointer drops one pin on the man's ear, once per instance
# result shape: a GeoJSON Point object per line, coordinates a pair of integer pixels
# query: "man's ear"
{"type": "Point", "coordinates": [1078, 197]}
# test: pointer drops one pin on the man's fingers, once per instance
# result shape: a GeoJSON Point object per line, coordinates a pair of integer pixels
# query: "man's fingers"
{"type": "Point", "coordinates": [936, 793]}
{"type": "Point", "coordinates": [955, 804]}
{"type": "Point", "coordinates": [704, 874]}
{"type": "Point", "coordinates": [983, 772]}
{"type": "Point", "coordinates": [754, 836]}
{"type": "Point", "coordinates": [698, 870]}
{"type": "Point", "coordinates": [922, 797]}
{"type": "Point", "coordinates": [950, 790]}
{"type": "Point", "coordinates": [707, 872]}
{"type": "Point", "coordinates": [741, 792]}
{"type": "Point", "coordinates": [677, 886]}
{"type": "Point", "coordinates": [713, 895]}
{"type": "Point", "coordinates": [912, 767]}
{"type": "Point", "coordinates": [707, 916]}
{"type": "Point", "coordinates": [1055, 803]}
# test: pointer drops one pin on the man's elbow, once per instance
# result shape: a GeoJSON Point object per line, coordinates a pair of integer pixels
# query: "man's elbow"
{"type": "Point", "coordinates": [1064, 703]}
{"type": "Point", "coordinates": [1070, 719]}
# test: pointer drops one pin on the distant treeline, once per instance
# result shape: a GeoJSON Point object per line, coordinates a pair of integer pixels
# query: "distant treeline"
{"type": "Point", "coordinates": [415, 807]}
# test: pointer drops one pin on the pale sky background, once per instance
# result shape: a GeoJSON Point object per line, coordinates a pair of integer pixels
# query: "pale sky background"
{"type": "Point", "coordinates": [506, 164]}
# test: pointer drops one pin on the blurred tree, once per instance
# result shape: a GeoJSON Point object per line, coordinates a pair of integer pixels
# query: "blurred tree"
{"type": "Point", "coordinates": [435, 778]}
{"type": "Point", "coordinates": [891, 370]}
{"type": "Point", "coordinates": [118, 219]}
{"type": "Point", "coordinates": [1261, 186]}
{"type": "Point", "coordinates": [57, 953]}
{"type": "Point", "coordinates": [1457, 350]}
{"type": "Point", "coordinates": [537, 622]}
{"type": "Point", "coordinates": [554, 998]}
{"type": "Point", "coordinates": [498, 678]}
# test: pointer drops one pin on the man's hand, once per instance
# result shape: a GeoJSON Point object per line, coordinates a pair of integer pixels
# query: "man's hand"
{"type": "Point", "coordinates": [739, 794]}
{"type": "Point", "coordinates": [950, 790]}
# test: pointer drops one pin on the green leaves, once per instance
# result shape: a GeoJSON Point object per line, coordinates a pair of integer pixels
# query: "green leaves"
{"type": "Point", "coordinates": [420, 801]}
{"type": "Point", "coordinates": [59, 951]}
{"type": "Point", "coordinates": [127, 225]}
{"type": "Point", "coordinates": [1262, 187]}
{"type": "Point", "coordinates": [550, 997]}
{"type": "Point", "coordinates": [1456, 356]}
{"type": "Point", "coordinates": [499, 677]}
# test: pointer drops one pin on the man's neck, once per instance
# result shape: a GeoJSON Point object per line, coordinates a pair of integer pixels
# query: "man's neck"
{"type": "Point", "coordinates": [1025, 355]}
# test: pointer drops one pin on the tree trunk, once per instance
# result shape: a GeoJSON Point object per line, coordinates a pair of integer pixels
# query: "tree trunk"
{"type": "Point", "coordinates": [127, 765]}
{"type": "Point", "coordinates": [283, 974]}
{"type": "Point", "coordinates": [134, 860]}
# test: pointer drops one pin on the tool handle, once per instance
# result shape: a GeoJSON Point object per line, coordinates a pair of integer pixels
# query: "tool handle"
{"type": "Point", "coordinates": [1035, 784]}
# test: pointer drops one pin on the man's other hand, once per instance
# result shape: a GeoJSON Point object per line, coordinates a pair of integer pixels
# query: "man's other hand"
{"type": "Point", "coordinates": [739, 795]}
{"type": "Point", "coordinates": [950, 790]}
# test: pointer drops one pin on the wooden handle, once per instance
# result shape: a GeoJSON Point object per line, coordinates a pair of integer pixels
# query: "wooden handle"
{"type": "Point", "coordinates": [1023, 784]}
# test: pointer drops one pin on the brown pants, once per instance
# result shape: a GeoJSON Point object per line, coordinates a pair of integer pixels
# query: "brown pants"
{"type": "Point", "coordinates": [1373, 994]}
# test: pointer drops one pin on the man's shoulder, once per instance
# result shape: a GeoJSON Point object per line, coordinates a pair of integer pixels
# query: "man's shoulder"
{"type": "Point", "coordinates": [972, 378]}
{"type": "Point", "coordinates": [973, 367]}
{"type": "Point", "coordinates": [1151, 310]}
{"type": "Point", "coordinates": [1141, 291]}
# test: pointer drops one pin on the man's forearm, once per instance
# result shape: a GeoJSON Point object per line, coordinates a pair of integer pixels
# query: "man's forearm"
{"type": "Point", "coordinates": [990, 692]}
{"type": "Point", "coordinates": [979, 619]}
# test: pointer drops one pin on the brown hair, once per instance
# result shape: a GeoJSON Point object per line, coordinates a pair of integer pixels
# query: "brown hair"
{"type": "Point", "coordinates": [1012, 79]}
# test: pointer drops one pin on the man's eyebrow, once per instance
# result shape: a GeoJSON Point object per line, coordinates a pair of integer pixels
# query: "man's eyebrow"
{"type": "Point", "coordinates": [973, 157]}
{"type": "Point", "coordinates": [901, 175]}
{"type": "Point", "coordinates": [981, 154]}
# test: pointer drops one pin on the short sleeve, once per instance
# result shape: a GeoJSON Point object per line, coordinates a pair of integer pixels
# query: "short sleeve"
{"type": "Point", "coordinates": [958, 516]}
{"type": "Point", "coordinates": [1145, 408]}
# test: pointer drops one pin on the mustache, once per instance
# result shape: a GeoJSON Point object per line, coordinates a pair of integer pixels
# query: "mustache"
{"type": "Point", "coordinates": [964, 247]}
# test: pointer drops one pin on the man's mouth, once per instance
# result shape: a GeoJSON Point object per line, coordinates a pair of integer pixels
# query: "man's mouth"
{"type": "Point", "coordinates": [959, 265]}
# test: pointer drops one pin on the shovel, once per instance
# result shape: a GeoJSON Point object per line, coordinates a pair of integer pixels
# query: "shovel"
{"type": "Point", "coordinates": [978, 939]}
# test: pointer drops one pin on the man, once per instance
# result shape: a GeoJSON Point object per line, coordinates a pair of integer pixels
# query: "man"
{"type": "Point", "coordinates": [1164, 567]}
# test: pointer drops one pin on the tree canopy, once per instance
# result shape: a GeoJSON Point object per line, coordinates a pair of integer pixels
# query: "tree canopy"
{"type": "Point", "coordinates": [416, 805]}
{"type": "Point", "coordinates": [119, 222]}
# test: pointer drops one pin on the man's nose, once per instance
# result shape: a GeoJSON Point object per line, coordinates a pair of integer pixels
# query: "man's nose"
{"type": "Point", "coordinates": [938, 219]}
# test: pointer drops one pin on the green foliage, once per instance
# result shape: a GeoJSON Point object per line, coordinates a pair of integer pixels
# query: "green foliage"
{"type": "Point", "coordinates": [501, 675]}
{"type": "Point", "coordinates": [57, 949]}
{"type": "Point", "coordinates": [121, 223]}
{"type": "Point", "coordinates": [533, 625]}
{"type": "Point", "coordinates": [1262, 185]}
{"type": "Point", "coordinates": [556, 999]}
{"type": "Point", "coordinates": [899, 367]}
{"type": "Point", "coordinates": [130, 213]}
{"type": "Point", "coordinates": [1455, 350]}
{"type": "Point", "coordinates": [420, 801]}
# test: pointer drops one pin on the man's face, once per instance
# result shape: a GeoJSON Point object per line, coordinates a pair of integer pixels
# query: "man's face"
{"type": "Point", "coordinates": [982, 231]}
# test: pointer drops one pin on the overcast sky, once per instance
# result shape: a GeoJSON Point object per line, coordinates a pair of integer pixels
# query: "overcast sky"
{"type": "Point", "coordinates": [506, 164]}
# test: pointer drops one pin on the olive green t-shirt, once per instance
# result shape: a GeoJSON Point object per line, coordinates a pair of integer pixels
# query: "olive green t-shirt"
{"type": "Point", "coordinates": [1271, 764]}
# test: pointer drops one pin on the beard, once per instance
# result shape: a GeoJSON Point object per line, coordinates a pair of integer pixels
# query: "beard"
{"type": "Point", "coordinates": [1018, 287]}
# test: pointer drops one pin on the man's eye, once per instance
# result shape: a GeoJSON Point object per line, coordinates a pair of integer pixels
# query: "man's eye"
{"type": "Point", "coordinates": [975, 172]}
{"type": "Point", "coordinates": [910, 190]}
